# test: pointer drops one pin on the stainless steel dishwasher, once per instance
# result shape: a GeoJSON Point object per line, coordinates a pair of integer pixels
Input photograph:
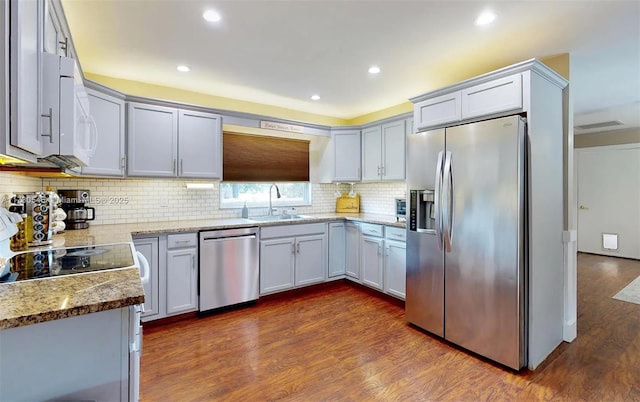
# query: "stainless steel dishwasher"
{"type": "Point", "coordinates": [229, 267]}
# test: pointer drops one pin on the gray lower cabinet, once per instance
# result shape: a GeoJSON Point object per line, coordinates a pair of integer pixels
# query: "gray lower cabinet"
{"type": "Point", "coordinates": [372, 261]}
{"type": "Point", "coordinates": [352, 250]}
{"type": "Point", "coordinates": [173, 285]}
{"type": "Point", "coordinates": [182, 281]}
{"type": "Point", "coordinates": [288, 261]}
{"type": "Point", "coordinates": [182, 273]}
{"type": "Point", "coordinates": [381, 253]}
{"type": "Point", "coordinates": [395, 261]}
{"type": "Point", "coordinates": [337, 249]}
{"type": "Point", "coordinates": [79, 358]}
{"type": "Point", "coordinates": [311, 259]}
{"type": "Point", "coordinates": [277, 264]}
{"type": "Point", "coordinates": [395, 268]}
{"type": "Point", "coordinates": [149, 248]}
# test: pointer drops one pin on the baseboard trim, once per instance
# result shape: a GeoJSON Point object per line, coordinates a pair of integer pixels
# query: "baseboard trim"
{"type": "Point", "coordinates": [570, 331]}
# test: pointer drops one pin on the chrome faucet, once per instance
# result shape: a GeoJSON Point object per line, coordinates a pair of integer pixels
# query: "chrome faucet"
{"type": "Point", "coordinates": [277, 195]}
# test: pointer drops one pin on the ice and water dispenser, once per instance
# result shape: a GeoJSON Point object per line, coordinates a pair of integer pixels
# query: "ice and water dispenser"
{"type": "Point", "coordinates": [422, 211]}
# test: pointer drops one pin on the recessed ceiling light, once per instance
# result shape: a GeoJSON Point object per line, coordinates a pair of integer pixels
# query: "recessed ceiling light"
{"type": "Point", "coordinates": [183, 69]}
{"type": "Point", "coordinates": [374, 70]}
{"type": "Point", "coordinates": [485, 18]}
{"type": "Point", "coordinates": [315, 97]}
{"type": "Point", "coordinates": [211, 16]}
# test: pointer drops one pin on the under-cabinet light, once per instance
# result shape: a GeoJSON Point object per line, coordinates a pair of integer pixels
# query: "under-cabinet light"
{"type": "Point", "coordinates": [200, 186]}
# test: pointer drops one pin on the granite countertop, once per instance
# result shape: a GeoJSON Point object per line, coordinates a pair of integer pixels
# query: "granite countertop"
{"type": "Point", "coordinates": [34, 301]}
{"type": "Point", "coordinates": [30, 302]}
{"type": "Point", "coordinates": [120, 233]}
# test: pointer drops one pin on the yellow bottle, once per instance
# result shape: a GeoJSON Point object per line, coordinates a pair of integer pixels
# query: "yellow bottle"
{"type": "Point", "coordinates": [28, 229]}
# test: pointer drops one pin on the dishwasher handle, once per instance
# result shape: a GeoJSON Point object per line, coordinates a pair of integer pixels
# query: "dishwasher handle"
{"type": "Point", "coordinates": [239, 237]}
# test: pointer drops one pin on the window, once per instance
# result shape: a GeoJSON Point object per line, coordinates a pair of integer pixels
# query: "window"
{"type": "Point", "coordinates": [234, 195]}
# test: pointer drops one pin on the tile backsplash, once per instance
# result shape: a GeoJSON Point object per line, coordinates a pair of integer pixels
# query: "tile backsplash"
{"type": "Point", "coordinates": [152, 200]}
{"type": "Point", "coordinates": [11, 183]}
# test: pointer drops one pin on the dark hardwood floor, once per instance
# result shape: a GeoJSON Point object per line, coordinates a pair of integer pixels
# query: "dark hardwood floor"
{"type": "Point", "coordinates": [340, 343]}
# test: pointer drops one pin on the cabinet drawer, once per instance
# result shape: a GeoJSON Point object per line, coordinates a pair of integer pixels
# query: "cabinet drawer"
{"type": "Point", "coordinates": [394, 233]}
{"type": "Point", "coordinates": [436, 111]}
{"type": "Point", "coordinates": [371, 229]}
{"type": "Point", "coordinates": [495, 96]}
{"type": "Point", "coordinates": [182, 240]}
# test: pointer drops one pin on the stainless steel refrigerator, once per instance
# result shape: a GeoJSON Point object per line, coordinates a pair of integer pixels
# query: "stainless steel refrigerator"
{"type": "Point", "coordinates": [466, 236]}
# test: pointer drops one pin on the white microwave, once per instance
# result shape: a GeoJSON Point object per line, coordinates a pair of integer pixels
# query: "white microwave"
{"type": "Point", "coordinates": [69, 134]}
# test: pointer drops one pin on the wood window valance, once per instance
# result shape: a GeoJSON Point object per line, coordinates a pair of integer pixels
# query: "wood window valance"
{"type": "Point", "coordinates": [256, 158]}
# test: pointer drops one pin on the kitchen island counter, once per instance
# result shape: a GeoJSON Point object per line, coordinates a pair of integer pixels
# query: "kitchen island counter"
{"type": "Point", "coordinates": [34, 301]}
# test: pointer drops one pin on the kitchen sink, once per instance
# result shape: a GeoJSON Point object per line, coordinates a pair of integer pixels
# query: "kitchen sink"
{"type": "Point", "coordinates": [272, 218]}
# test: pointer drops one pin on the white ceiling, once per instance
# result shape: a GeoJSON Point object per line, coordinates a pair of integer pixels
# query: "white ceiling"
{"type": "Point", "coordinates": [281, 52]}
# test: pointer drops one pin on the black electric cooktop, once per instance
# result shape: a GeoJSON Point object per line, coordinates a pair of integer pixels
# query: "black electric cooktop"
{"type": "Point", "coordinates": [67, 261]}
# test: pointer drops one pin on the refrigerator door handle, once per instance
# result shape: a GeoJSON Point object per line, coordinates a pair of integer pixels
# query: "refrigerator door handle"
{"type": "Point", "coordinates": [437, 201]}
{"type": "Point", "coordinates": [447, 207]}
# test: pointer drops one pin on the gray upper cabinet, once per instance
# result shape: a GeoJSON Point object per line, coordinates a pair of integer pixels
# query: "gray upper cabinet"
{"type": "Point", "coordinates": [152, 139]}
{"type": "Point", "coordinates": [383, 152]}
{"type": "Point", "coordinates": [346, 156]}
{"type": "Point", "coordinates": [495, 96]}
{"type": "Point", "coordinates": [168, 142]}
{"type": "Point", "coordinates": [371, 153]}
{"type": "Point", "coordinates": [199, 145]}
{"type": "Point", "coordinates": [393, 151]}
{"type": "Point", "coordinates": [55, 41]}
{"type": "Point", "coordinates": [25, 68]}
{"type": "Point", "coordinates": [437, 111]}
{"type": "Point", "coordinates": [108, 114]}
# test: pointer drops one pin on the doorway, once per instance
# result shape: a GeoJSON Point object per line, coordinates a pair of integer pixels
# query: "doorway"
{"type": "Point", "coordinates": [608, 188]}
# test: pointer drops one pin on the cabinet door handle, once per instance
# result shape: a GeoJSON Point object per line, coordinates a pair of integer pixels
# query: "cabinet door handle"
{"type": "Point", "coordinates": [50, 117]}
{"type": "Point", "coordinates": [193, 262]}
{"type": "Point", "coordinates": [175, 167]}
{"type": "Point", "coordinates": [383, 170]}
{"type": "Point", "coordinates": [123, 163]}
{"type": "Point", "coordinates": [64, 45]}
{"type": "Point", "coordinates": [293, 248]}
{"type": "Point", "coordinates": [298, 248]}
{"type": "Point", "coordinates": [379, 250]}
{"type": "Point", "coordinates": [387, 251]}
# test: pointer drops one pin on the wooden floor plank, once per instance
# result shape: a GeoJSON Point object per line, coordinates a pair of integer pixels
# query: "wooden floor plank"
{"type": "Point", "coordinates": [340, 343]}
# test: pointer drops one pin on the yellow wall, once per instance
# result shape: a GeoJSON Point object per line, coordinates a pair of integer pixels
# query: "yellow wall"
{"type": "Point", "coordinates": [137, 88]}
{"type": "Point", "coordinates": [559, 63]}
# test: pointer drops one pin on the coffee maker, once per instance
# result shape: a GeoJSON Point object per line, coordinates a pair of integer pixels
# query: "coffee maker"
{"type": "Point", "coordinates": [74, 205]}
